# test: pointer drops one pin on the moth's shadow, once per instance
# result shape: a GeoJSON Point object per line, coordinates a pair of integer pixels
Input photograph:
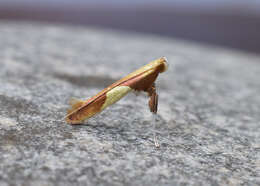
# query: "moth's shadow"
{"type": "Point", "coordinates": [100, 126]}
{"type": "Point", "coordinates": [86, 81]}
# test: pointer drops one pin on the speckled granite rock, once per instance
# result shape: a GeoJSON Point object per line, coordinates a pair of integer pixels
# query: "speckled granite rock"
{"type": "Point", "coordinates": [209, 111]}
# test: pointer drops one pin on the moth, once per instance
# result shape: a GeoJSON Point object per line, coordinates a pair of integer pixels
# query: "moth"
{"type": "Point", "coordinates": [142, 79]}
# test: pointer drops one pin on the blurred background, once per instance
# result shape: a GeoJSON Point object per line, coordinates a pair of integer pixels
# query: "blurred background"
{"type": "Point", "coordinates": [226, 23]}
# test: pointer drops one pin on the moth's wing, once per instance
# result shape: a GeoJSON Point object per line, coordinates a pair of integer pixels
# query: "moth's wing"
{"type": "Point", "coordinates": [75, 104]}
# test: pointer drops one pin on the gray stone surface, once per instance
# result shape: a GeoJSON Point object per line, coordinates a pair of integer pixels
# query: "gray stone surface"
{"type": "Point", "coordinates": [209, 110]}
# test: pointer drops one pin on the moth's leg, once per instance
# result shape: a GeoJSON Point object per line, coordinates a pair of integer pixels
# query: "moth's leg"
{"type": "Point", "coordinates": [153, 101]}
{"type": "Point", "coordinates": [153, 105]}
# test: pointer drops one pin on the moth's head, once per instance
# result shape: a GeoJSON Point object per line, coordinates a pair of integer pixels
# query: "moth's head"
{"type": "Point", "coordinates": [164, 64]}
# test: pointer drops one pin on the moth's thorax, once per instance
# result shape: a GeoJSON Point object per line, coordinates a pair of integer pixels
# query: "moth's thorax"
{"type": "Point", "coordinates": [143, 78]}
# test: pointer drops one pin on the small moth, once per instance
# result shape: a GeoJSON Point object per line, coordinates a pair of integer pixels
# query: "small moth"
{"type": "Point", "coordinates": [142, 79]}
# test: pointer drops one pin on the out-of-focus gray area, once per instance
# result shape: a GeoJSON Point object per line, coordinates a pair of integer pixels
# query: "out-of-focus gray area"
{"type": "Point", "coordinates": [209, 113]}
{"type": "Point", "coordinates": [226, 23]}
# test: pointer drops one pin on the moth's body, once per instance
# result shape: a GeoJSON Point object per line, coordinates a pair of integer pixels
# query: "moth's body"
{"type": "Point", "coordinates": [140, 80]}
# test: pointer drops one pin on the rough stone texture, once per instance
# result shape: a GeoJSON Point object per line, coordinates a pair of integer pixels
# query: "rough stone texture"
{"type": "Point", "coordinates": [209, 111]}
